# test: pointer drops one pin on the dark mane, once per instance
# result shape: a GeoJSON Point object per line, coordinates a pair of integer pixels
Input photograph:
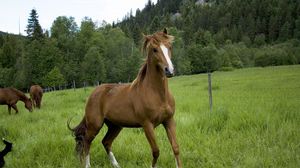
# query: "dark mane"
{"type": "Point", "coordinates": [141, 75]}
{"type": "Point", "coordinates": [19, 93]}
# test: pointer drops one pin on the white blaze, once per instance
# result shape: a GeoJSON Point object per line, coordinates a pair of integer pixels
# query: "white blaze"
{"type": "Point", "coordinates": [166, 54]}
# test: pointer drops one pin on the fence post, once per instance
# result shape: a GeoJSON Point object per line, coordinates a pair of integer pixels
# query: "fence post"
{"type": "Point", "coordinates": [210, 91]}
{"type": "Point", "coordinates": [74, 86]}
{"type": "Point", "coordinates": [84, 86]}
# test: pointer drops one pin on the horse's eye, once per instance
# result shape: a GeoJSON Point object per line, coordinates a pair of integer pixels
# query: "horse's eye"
{"type": "Point", "coordinates": [154, 50]}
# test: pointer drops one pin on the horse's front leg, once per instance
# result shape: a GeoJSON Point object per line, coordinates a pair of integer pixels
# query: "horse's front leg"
{"type": "Point", "coordinates": [14, 106]}
{"type": "Point", "coordinates": [170, 127]}
{"type": "Point", "coordinates": [9, 109]}
{"type": "Point", "coordinates": [149, 132]}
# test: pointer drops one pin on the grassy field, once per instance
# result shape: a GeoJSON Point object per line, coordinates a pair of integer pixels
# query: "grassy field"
{"type": "Point", "coordinates": [255, 122]}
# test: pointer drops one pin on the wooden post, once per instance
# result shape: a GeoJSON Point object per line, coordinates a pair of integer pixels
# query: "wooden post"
{"type": "Point", "coordinates": [84, 86]}
{"type": "Point", "coordinates": [74, 86]}
{"type": "Point", "coordinates": [210, 91]}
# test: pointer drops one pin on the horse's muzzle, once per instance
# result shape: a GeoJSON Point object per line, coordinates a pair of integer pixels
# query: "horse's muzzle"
{"type": "Point", "coordinates": [168, 73]}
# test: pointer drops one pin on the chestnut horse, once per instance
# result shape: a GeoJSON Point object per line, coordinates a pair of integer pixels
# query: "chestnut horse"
{"type": "Point", "coordinates": [36, 94]}
{"type": "Point", "coordinates": [10, 97]}
{"type": "Point", "coordinates": [146, 102]}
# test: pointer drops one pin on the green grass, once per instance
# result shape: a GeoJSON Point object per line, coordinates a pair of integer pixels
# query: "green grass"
{"type": "Point", "coordinates": [255, 122]}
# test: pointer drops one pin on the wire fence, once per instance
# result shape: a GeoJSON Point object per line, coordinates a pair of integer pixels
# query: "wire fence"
{"type": "Point", "coordinates": [70, 85]}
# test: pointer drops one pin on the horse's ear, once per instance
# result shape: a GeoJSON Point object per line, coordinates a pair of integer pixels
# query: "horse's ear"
{"type": "Point", "coordinates": [146, 37]}
{"type": "Point", "coordinates": [146, 40]}
{"type": "Point", "coordinates": [165, 31]}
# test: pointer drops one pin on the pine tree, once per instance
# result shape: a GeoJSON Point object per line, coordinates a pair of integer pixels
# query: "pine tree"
{"type": "Point", "coordinates": [297, 29]}
{"type": "Point", "coordinates": [34, 30]}
{"type": "Point", "coordinates": [284, 33]}
{"type": "Point", "coordinates": [155, 25]}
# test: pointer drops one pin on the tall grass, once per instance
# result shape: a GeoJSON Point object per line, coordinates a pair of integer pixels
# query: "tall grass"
{"type": "Point", "coordinates": [254, 123]}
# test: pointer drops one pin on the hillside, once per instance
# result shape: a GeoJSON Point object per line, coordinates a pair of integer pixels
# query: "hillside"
{"type": "Point", "coordinates": [266, 20]}
{"type": "Point", "coordinates": [209, 35]}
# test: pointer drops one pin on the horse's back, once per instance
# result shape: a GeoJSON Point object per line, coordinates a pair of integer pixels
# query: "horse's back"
{"type": "Point", "coordinates": [104, 92]}
{"type": "Point", "coordinates": [8, 95]}
{"type": "Point", "coordinates": [36, 90]}
{"type": "Point", "coordinates": [113, 103]}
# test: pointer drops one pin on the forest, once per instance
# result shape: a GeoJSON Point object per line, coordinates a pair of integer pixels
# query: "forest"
{"type": "Point", "coordinates": [209, 35]}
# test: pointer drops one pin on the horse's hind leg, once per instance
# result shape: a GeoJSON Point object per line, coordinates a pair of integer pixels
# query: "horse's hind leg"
{"type": "Point", "coordinates": [93, 127]}
{"type": "Point", "coordinates": [37, 102]}
{"type": "Point", "coordinates": [112, 133]}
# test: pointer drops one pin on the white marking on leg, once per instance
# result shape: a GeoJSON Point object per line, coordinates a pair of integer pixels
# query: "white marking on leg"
{"type": "Point", "coordinates": [113, 160]}
{"type": "Point", "coordinates": [176, 163]}
{"type": "Point", "coordinates": [87, 161]}
{"type": "Point", "coordinates": [166, 54]}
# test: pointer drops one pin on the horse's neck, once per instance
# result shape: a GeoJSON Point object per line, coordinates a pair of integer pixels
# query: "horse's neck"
{"type": "Point", "coordinates": [22, 97]}
{"type": "Point", "coordinates": [155, 81]}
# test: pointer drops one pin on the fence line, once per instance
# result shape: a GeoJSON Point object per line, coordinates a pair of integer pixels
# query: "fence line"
{"type": "Point", "coordinates": [71, 85]}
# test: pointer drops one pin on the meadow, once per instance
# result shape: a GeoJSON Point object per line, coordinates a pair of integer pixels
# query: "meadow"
{"type": "Point", "coordinates": [255, 122]}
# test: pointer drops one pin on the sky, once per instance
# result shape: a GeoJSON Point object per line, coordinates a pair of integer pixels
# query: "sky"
{"type": "Point", "coordinates": [16, 12]}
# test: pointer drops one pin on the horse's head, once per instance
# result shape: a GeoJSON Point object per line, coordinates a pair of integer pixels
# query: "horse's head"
{"type": "Point", "coordinates": [28, 104]}
{"type": "Point", "coordinates": [159, 49]}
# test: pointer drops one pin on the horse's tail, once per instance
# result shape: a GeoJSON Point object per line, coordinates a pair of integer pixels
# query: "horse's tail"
{"type": "Point", "coordinates": [79, 129]}
{"type": "Point", "coordinates": [78, 132]}
{"type": "Point", "coordinates": [68, 124]}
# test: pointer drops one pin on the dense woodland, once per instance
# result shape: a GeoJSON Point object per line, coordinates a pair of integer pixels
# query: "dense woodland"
{"type": "Point", "coordinates": [209, 35]}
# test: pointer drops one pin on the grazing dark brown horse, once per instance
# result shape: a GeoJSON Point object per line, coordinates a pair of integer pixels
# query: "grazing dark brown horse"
{"type": "Point", "coordinates": [10, 97]}
{"type": "Point", "coordinates": [146, 102]}
{"type": "Point", "coordinates": [36, 94]}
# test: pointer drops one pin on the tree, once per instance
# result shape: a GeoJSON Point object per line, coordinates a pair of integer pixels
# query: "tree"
{"type": "Point", "coordinates": [297, 29]}
{"type": "Point", "coordinates": [284, 33]}
{"type": "Point", "coordinates": [119, 49]}
{"type": "Point", "coordinates": [259, 40]}
{"type": "Point", "coordinates": [181, 61]}
{"type": "Point", "coordinates": [203, 59]}
{"type": "Point", "coordinates": [155, 25]}
{"type": "Point", "coordinates": [53, 78]}
{"type": "Point", "coordinates": [6, 75]}
{"type": "Point", "coordinates": [64, 29]}
{"type": "Point", "coordinates": [273, 28]}
{"type": "Point", "coordinates": [93, 68]}
{"type": "Point", "coordinates": [8, 54]}
{"type": "Point", "coordinates": [34, 30]}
